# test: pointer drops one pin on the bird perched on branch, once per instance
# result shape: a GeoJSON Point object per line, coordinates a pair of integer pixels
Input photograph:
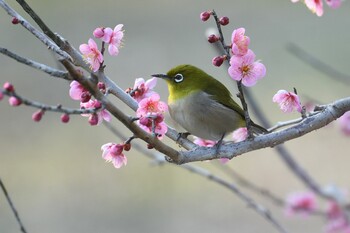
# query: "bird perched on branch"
{"type": "Point", "coordinates": [202, 105]}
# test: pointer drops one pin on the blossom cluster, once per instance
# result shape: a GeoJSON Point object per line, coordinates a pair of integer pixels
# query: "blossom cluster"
{"type": "Point", "coordinates": [316, 6]}
{"type": "Point", "coordinates": [113, 37]}
{"type": "Point", "coordinates": [150, 110]}
{"type": "Point", "coordinates": [243, 66]}
{"type": "Point", "coordinates": [304, 204]}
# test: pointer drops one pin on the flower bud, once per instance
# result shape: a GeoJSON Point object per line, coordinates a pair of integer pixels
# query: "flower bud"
{"type": "Point", "coordinates": [65, 118]}
{"type": "Point", "coordinates": [8, 87]}
{"type": "Point", "coordinates": [15, 20]}
{"type": "Point", "coordinates": [224, 20]}
{"type": "Point", "coordinates": [149, 146]}
{"type": "Point", "coordinates": [101, 86]}
{"type": "Point", "coordinates": [85, 97]}
{"type": "Point", "coordinates": [37, 115]}
{"type": "Point", "coordinates": [97, 104]}
{"type": "Point", "coordinates": [99, 32]}
{"type": "Point", "coordinates": [213, 38]}
{"type": "Point", "coordinates": [93, 119]}
{"type": "Point", "coordinates": [145, 121]}
{"type": "Point", "coordinates": [1, 95]}
{"type": "Point", "coordinates": [205, 15]}
{"type": "Point", "coordinates": [217, 61]}
{"type": "Point", "coordinates": [127, 147]}
{"type": "Point", "coordinates": [13, 101]}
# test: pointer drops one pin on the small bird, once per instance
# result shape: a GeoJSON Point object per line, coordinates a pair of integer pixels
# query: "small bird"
{"type": "Point", "coordinates": [202, 105]}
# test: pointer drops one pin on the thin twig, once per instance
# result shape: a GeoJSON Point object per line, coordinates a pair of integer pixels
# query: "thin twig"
{"type": "Point", "coordinates": [226, 49]}
{"type": "Point", "coordinates": [47, 69]}
{"type": "Point", "coordinates": [51, 108]}
{"type": "Point", "coordinates": [12, 206]}
{"type": "Point", "coordinates": [265, 213]}
{"type": "Point", "coordinates": [34, 31]}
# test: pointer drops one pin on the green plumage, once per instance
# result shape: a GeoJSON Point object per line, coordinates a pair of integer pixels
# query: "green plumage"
{"type": "Point", "coordinates": [201, 104]}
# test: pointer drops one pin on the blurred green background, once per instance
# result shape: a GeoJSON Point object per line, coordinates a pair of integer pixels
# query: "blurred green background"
{"type": "Point", "coordinates": [54, 172]}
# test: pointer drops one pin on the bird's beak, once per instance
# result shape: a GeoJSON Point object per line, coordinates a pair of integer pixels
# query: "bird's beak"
{"type": "Point", "coordinates": [162, 76]}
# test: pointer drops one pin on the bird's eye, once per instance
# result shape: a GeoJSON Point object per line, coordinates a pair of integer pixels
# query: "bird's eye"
{"type": "Point", "coordinates": [178, 78]}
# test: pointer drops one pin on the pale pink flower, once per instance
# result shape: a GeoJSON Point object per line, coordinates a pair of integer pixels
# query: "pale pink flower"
{"type": "Point", "coordinates": [300, 203]}
{"type": "Point", "coordinates": [337, 220]}
{"type": "Point", "coordinates": [239, 42]}
{"type": "Point", "coordinates": [240, 134]}
{"type": "Point", "coordinates": [91, 54]}
{"type": "Point", "coordinates": [287, 101]}
{"type": "Point", "coordinates": [344, 122]}
{"type": "Point", "coordinates": [334, 3]}
{"type": "Point", "coordinates": [113, 38]}
{"type": "Point", "coordinates": [203, 142]}
{"type": "Point", "coordinates": [96, 118]}
{"type": "Point", "coordinates": [112, 152]}
{"type": "Point", "coordinates": [154, 124]}
{"type": "Point", "coordinates": [316, 6]}
{"type": "Point", "coordinates": [208, 143]}
{"type": "Point", "coordinates": [151, 106]}
{"type": "Point", "coordinates": [143, 89]}
{"type": "Point", "coordinates": [245, 69]}
{"type": "Point", "coordinates": [78, 92]}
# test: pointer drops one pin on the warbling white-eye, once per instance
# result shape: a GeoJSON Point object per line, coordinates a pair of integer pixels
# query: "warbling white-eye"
{"type": "Point", "coordinates": [201, 104]}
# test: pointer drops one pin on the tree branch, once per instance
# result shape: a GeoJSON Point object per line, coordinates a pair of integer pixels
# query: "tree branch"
{"type": "Point", "coordinates": [330, 113]}
{"type": "Point", "coordinates": [49, 70]}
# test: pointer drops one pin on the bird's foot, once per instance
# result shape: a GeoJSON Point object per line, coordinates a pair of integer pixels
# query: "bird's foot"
{"type": "Point", "coordinates": [218, 144]}
{"type": "Point", "coordinates": [182, 135]}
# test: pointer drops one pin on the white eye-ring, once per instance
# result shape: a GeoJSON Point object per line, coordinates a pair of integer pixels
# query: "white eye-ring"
{"type": "Point", "coordinates": [178, 78]}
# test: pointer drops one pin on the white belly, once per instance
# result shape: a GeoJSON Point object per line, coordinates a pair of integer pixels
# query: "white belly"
{"type": "Point", "coordinates": [204, 117]}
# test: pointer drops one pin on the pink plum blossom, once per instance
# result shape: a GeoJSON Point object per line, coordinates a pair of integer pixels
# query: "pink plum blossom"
{"type": "Point", "coordinates": [112, 152]}
{"type": "Point", "coordinates": [208, 143]}
{"type": "Point", "coordinates": [344, 122]}
{"type": "Point", "coordinates": [300, 203]}
{"type": "Point", "coordinates": [240, 42]}
{"type": "Point", "coordinates": [337, 220]}
{"type": "Point", "coordinates": [245, 69]}
{"type": "Point", "coordinates": [91, 54]}
{"type": "Point", "coordinates": [203, 142]}
{"type": "Point", "coordinates": [287, 101]}
{"type": "Point", "coordinates": [151, 105]}
{"type": "Point", "coordinates": [334, 3]}
{"type": "Point", "coordinates": [240, 134]}
{"type": "Point", "coordinates": [113, 38]}
{"type": "Point", "coordinates": [78, 92]}
{"type": "Point", "coordinates": [156, 123]}
{"type": "Point", "coordinates": [1, 95]}
{"type": "Point", "coordinates": [143, 89]}
{"type": "Point", "coordinates": [316, 6]}
{"type": "Point", "coordinates": [95, 118]}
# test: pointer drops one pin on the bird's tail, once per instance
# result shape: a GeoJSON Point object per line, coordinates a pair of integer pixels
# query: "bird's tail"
{"type": "Point", "coordinates": [257, 129]}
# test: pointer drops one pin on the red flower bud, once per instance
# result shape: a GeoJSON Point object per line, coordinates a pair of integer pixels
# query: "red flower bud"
{"type": "Point", "coordinates": [38, 115]}
{"type": "Point", "coordinates": [205, 15]}
{"type": "Point", "coordinates": [127, 147]}
{"type": "Point", "coordinates": [65, 118]}
{"type": "Point", "coordinates": [213, 38]}
{"type": "Point", "coordinates": [93, 119]}
{"type": "Point", "coordinates": [149, 146]}
{"type": "Point", "coordinates": [13, 101]}
{"type": "Point", "coordinates": [8, 87]}
{"type": "Point", "coordinates": [217, 61]}
{"type": "Point", "coordinates": [15, 20]}
{"type": "Point", "coordinates": [224, 20]}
